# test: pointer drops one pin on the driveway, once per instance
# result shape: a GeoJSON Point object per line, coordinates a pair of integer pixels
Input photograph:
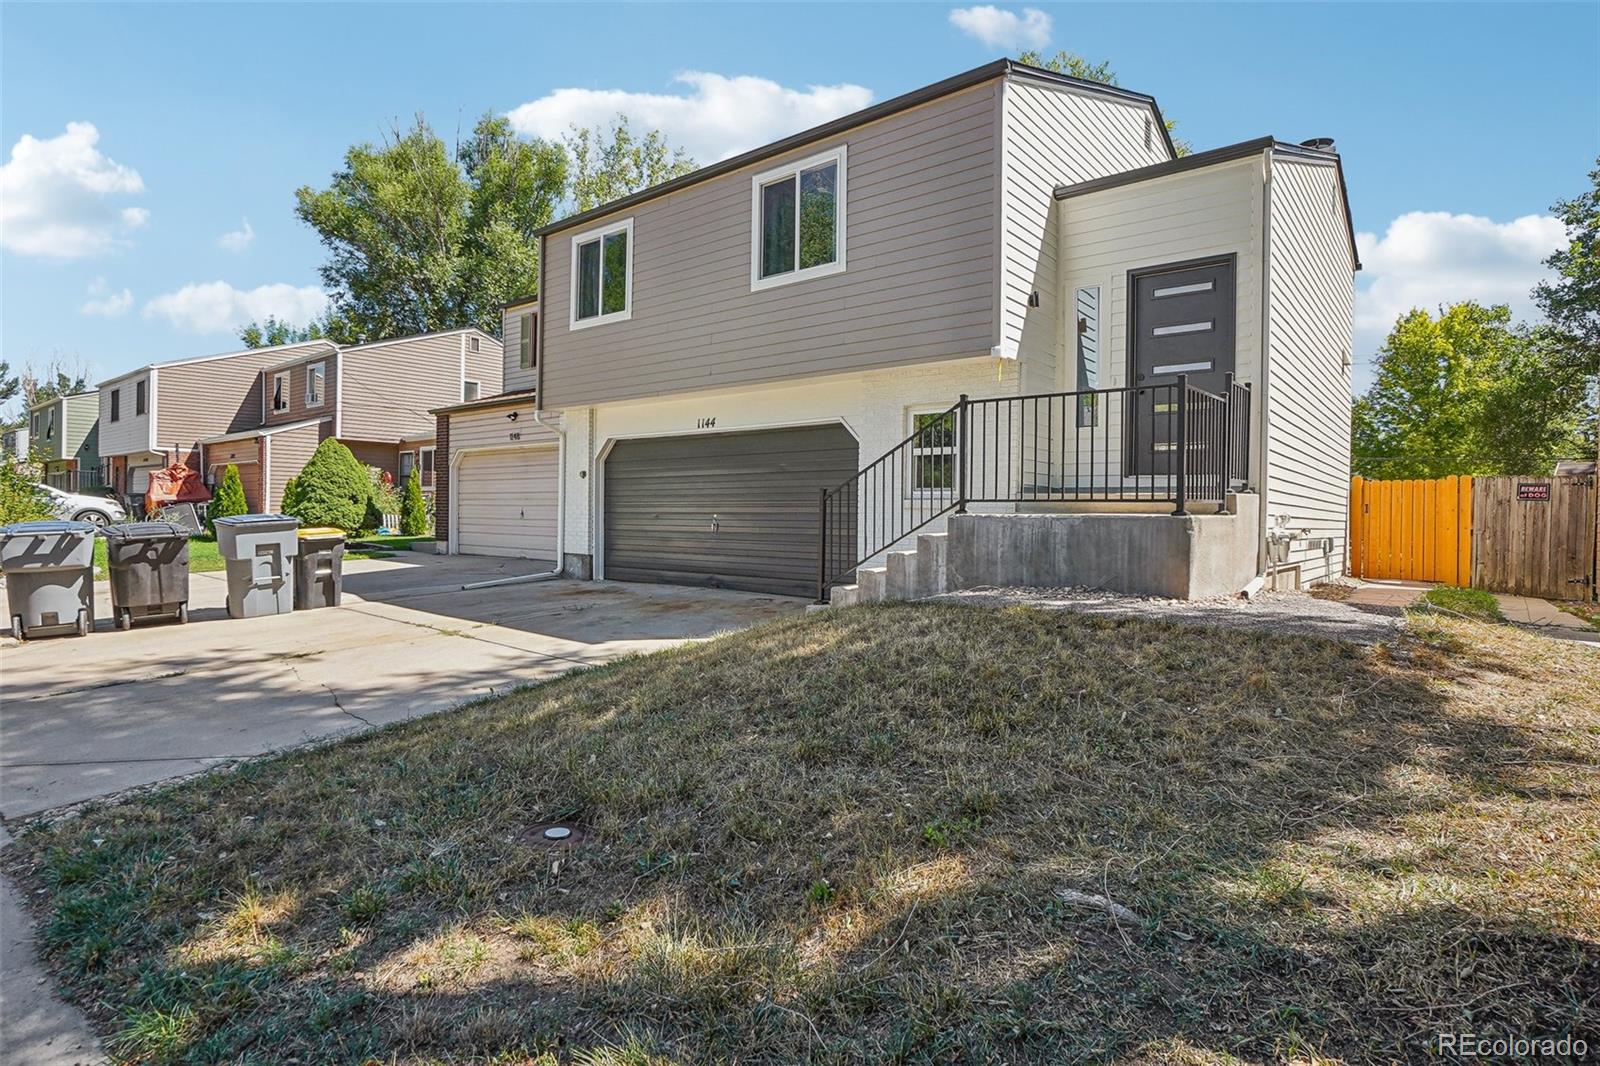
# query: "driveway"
{"type": "Point", "coordinates": [86, 717]}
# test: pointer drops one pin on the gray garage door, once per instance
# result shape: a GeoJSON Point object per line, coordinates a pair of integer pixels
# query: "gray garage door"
{"type": "Point", "coordinates": [727, 510]}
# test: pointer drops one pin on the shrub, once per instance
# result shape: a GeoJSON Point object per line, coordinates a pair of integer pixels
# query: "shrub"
{"type": "Point", "coordinates": [381, 498]}
{"type": "Point", "coordinates": [228, 500]}
{"type": "Point", "coordinates": [20, 499]}
{"type": "Point", "coordinates": [414, 509]}
{"type": "Point", "coordinates": [332, 489]}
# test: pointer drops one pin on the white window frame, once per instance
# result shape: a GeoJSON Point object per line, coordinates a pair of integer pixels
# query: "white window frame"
{"type": "Point", "coordinates": [408, 462]}
{"type": "Point", "coordinates": [913, 489]}
{"type": "Point", "coordinates": [477, 386]}
{"type": "Point", "coordinates": [316, 372]}
{"type": "Point", "coordinates": [283, 376]}
{"type": "Point", "coordinates": [600, 234]}
{"type": "Point", "coordinates": [839, 155]}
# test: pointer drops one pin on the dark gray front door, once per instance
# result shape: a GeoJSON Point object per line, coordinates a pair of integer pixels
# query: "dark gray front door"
{"type": "Point", "coordinates": [1181, 322]}
{"type": "Point", "coordinates": [725, 510]}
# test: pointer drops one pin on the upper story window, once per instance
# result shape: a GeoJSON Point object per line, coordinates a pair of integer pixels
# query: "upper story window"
{"type": "Point", "coordinates": [316, 378]}
{"type": "Point", "coordinates": [50, 425]}
{"type": "Point", "coordinates": [602, 275]}
{"type": "Point", "coordinates": [116, 405]}
{"type": "Point", "coordinates": [797, 220]}
{"type": "Point", "coordinates": [35, 429]}
{"type": "Point", "coordinates": [280, 391]}
{"type": "Point", "coordinates": [525, 357]}
{"type": "Point", "coordinates": [470, 390]}
{"type": "Point", "coordinates": [140, 397]}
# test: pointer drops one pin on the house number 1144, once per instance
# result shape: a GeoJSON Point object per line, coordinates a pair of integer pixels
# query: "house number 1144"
{"type": "Point", "coordinates": [706, 423]}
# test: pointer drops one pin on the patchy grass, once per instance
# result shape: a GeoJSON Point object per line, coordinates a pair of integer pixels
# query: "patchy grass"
{"type": "Point", "coordinates": [1475, 604]}
{"type": "Point", "coordinates": [203, 557]}
{"type": "Point", "coordinates": [1584, 609]}
{"type": "Point", "coordinates": [847, 837]}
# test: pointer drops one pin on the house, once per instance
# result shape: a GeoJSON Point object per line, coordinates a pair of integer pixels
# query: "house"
{"type": "Point", "coordinates": [375, 398]}
{"type": "Point", "coordinates": [992, 331]}
{"type": "Point", "coordinates": [66, 432]}
{"type": "Point", "coordinates": [14, 442]}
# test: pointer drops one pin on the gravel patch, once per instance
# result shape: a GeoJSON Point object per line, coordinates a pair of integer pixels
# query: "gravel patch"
{"type": "Point", "coordinates": [1274, 612]}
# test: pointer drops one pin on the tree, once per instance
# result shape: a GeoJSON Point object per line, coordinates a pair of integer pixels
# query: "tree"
{"type": "Point", "coordinates": [1467, 392]}
{"type": "Point", "coordinates": [39, 382]}
{"type": "Point", "coordinates": [610, 164]}
{"type": "Point", "coordinates": [273, 332]}
{"type": "Point", "coordinates": [1075, 66]}
{"type": "Point", "coordinates": [414, 509]}
{"type": "Point", "coordinates": [21, 500]}
{"type": "Point", "coordinates": [1572, 301]}
{"type": "Point", "coordinates": [332, 489]}
{"type": "Point", "coordinates": [420, 239]}
{"type": "Point", "coordinates": [228, 500]}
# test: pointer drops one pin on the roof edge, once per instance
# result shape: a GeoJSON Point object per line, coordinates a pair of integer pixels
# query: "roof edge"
{"type": "Point", "coordinates": [503, 399]}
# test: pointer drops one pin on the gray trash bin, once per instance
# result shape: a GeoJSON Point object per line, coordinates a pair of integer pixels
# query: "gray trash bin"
{"type": "Point", "coordinates": [258, 551]}
{"type": "Point", "coordinates": [149, 571]}
{"type": "Point", "coordinates": [319, 568]}
{"type": "Point", "coordinates": [49, 568]}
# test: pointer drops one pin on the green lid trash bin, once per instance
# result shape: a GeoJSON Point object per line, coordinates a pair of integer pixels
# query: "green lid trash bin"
{"type": "Point", "coordinates": [319, 568]}
{"type": "Point", "coordinates": [49, 568]}
{"type": "Point", "coordinates": [258, 552]}
{"type": "Point", "coordinates": [148, 564]}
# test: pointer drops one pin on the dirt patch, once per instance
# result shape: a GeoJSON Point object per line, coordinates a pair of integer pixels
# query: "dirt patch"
{"type": "Point", "coordinates": [1274, 612]}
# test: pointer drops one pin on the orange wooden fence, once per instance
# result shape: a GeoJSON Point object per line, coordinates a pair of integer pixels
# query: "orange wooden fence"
{"type": "Point", "coordinates": [1412, 530]}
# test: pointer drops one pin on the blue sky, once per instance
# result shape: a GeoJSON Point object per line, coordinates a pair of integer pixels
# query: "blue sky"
{"type": "Point", "coordinates": [150, 207]}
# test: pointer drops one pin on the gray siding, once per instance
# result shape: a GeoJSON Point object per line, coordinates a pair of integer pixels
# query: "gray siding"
{"type": "Point", "coordinates": [515, 376]}
{"type": "Point", "coordinates": [1310, 291]}
{"type": "Point", "coordinates": [1054, 136]}
{"type": "Point", "coordinates": [129, 433]}
{"type": "Point", "coordinates": [287, 453]}
{"type": "Point", "coordinates": [921, 222]}
{"type": "Point", "coordinates": [389, 388]}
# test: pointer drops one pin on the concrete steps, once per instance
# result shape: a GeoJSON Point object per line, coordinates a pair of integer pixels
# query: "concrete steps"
{"type": "Point", "coordinates": [905, 575]}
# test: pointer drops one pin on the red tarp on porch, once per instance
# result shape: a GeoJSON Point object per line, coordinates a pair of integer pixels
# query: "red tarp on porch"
{"type": "Point", "coordinates": [175, 484]}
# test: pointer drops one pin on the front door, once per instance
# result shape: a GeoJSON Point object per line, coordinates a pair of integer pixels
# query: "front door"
{"type": "Point", "coordinates": [1181, 321]}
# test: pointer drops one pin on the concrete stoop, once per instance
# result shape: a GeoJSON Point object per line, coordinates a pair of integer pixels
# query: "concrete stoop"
{"type": "Point", "coordinates": [905, 575]}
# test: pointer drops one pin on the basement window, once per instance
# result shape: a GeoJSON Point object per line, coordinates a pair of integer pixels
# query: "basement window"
{"type": "Point", "coordinates": [602, 275]}
{"type": "Point", "coordinates": [797, 221]}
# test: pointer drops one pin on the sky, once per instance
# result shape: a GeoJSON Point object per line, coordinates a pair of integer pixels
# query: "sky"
{"type": "Point", "coordinates": [151, 152]}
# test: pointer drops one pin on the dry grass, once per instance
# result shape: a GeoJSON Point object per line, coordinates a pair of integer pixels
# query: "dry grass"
{"type": "Point", "coordinates": [842, 837]}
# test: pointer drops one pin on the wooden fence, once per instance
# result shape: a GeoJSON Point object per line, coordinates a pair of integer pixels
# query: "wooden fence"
{"type": "Point", "coordinates": [1412, 530]}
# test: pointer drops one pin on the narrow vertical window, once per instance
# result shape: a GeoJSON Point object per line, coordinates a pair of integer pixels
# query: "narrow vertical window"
{"type": "Point", "coordinates": [139, 397]}
{"type": "Point", "coordinates": [116, 404]}
{"type": "Point", "coordinates": [315, 379]}
{"type": "Point", "coordinates": [797, 221]}
{"type": "Point", "coordinates": [1086, 304]}
{"type": "Point", "coordinates": [525, 341]}
{"type": "Point", "coordinates": [602, 281]}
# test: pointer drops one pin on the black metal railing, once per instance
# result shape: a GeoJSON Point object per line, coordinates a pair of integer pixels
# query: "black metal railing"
{"type": "Point", "coordinates": [1170, 443]}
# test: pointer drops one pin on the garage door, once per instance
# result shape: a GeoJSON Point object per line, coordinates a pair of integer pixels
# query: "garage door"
{"type": "Point", "coordinates": [730, 510]}
{"type": "Point", "coordinates": [507, 504]}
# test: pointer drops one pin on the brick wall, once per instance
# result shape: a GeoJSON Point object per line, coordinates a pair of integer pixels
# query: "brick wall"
{"type": "Point", "coordinates": [441, 481]}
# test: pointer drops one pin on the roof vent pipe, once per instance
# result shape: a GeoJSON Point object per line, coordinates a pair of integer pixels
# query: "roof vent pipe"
{"type": "Point", "coordinates": [1320, 144]}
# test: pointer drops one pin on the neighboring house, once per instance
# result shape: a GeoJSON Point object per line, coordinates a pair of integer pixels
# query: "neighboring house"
{"type": "Point", "coordinates": [66, 433]}
{"type": "Point", "coordinates": [375, 398]}
{"type": "Point", "coordinates": [975, 300]}
{"type": "Point", "coordinates": [14, 442]}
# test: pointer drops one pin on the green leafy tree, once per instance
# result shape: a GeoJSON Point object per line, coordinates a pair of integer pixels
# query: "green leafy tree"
{"type": "Point", "coordinates": [1467, 392]}
{"type": "Point", "coordinates": [228, 500]}
{"type": "Point", "coordinates": [423, 239]}
{"type": "Point", "coordinates": [273, 331]}
{"type": "Point", "coordinates": [1075, 66]}
{"type": "Point", "coordinates": [332, 489]}
{"type": "Point", "coordinates": [21, 500]}
{"type": "Point", "coordinates": [1571, 301]}
{"type": "Point", "coordinates": [608, 164]}
{"type": "Point", "coordinates": [414, 509]}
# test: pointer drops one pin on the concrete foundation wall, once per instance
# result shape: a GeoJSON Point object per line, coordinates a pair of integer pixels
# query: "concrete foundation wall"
{"type": "Point", "coordinates": [1192, 557]}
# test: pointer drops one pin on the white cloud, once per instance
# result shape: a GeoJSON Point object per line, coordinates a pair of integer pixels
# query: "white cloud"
{"type": "Point", "coordinates": [102, 301]}
{"type": "Point", "coordinates": [1428, 259]}
{"type": "Point", "coordinates": [237, 240]}
{"type": "Point", "coordinates": [718, 117]}
{"type": "Point", "coordinates": [999, 28]}
{"type": "Point", "coordinates": [217, 307]}
{"type": "Point", "coordinates": [55, 193]}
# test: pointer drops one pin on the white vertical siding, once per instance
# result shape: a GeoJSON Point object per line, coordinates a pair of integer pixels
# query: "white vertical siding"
{"type": "Point", "coordinates": [130, 432]}
{"type": "Point", "coordinates": [1309, 320]}
{"type": "Point", "coordinates": [1054, 136]}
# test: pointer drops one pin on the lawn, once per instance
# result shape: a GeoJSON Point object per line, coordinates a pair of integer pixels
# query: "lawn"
{"type": "Point", "coordinates": [204, 556]}
{"type": "Point", "coordinates": [1465, 603]}
{"type": "Point", "coordinates": [879, 834]}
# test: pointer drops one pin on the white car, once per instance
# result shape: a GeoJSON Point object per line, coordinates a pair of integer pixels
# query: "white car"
{"type": "Point", "coordinates": [96, 510]}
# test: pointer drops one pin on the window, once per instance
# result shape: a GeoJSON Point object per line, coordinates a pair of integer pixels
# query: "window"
{"type": "Point", "coordinates": [1087, 304]}
{"type": "Point", "coordinates": [316, 375]}
{"type": "Point", "coordinates": [280, 391]}
{"type": "Point", "coordinates": [116, 405]}
{"type": "Point", "coordinates": [50, 425]}
{"type": "Point", "coordinates": [35, 429]}
{"type": "Point", "coordinates": [425, 461]}
{"type": "Point", "coordinates": [472, 344]}
{"type": "Point", "coordinates": [469, 391]}
{"type": "Point", "coordinates": [407, 461]}
{"type": "Point", "coordinates": [139, 397]}
{"type": "Point", "coordinates": [602, 275]}
{"type": "Point", "coordinates": [525, 336]}
{"type": "Point", "coordinates": [797, 221]}
{"type": "Point", "coordinates": [933, 451]}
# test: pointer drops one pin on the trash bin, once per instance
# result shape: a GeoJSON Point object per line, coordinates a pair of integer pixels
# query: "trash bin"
{"type": "Point", "coordinates": [319, 568]}
{"type": "Point", "coordinates": [258, 550]}
{"type": "Point", "coordinates": [49, 568]}
{"type": "Point", "coordinates": [149, 568]}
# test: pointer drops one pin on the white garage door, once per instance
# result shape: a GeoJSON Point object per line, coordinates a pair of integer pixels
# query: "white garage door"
{"type": "Point", "coordinates": [507, 504]}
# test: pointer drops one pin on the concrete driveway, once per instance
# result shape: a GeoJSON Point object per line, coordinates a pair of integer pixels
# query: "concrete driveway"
{"type": "Point", "coordinates": [87, 717]}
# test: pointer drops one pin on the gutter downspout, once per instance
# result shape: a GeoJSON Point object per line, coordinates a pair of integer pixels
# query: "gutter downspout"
{"type": "Point", "coordinates": [1262, 567]}
{"type": "Point", "coordinates": [561, 514]}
